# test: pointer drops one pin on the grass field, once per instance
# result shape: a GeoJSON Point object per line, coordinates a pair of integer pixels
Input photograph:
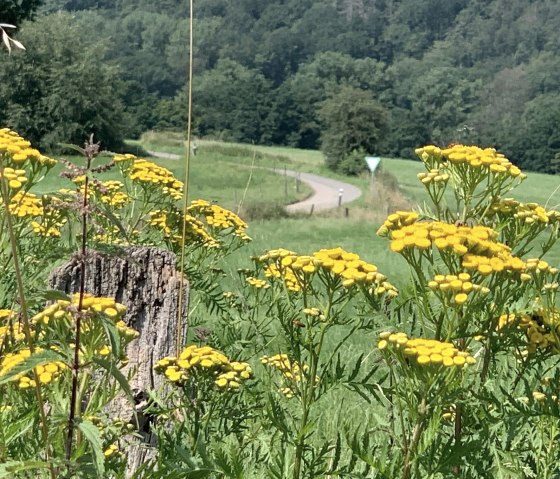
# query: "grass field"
{"type": "Point", "coordinates": [538, 187]}
{"type": "Point", "coordinates": [174, 143]}
{"type": "Point", "coordinates": [395, 186]}
{"type": "Point", "coordinates": [215, 179]}
{"type": "Point", "coordinates": [238, 177]}
{"type": "Point", "coordinates": [231, 175]}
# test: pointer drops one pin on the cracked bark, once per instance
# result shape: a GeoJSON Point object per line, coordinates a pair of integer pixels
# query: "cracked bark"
{"type": "Point", "coordinates": [146, 281]}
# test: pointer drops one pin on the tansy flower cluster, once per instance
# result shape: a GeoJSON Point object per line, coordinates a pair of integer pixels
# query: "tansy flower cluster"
{"type": "Point", "coordinates": [63, 312]}
{"type": "Point", "coordinates": [449, 413]}
{"type": "Point", "coordinates": [541, 273]}
{"type": "Point", "coordinates": [206, 223]}
{"type": "Point", "coordinates": [219, 218]}
{"type": "Point", "coordinates": [124, 330]}
{"type": "Point", "coordinates": [124, 157]}
{"type": "Point", "coordinates": [147, 173]}
{"type": "Point", "coordinates": [529, 213]}
{"type": "Point", "coordinates": [434, 176]}
{"type": "Point", "coordinates": [275, 270]}
{"type": "Point", "coordinates": [542, 328]}
{"type": "Point", "coordinates": [113, 236]}
{"type": "Point", "coordinates": [313, 312]}
{"type": "Point", "coordinates": [63, 308]}
{"type": "Point", "coordinates": [444, 236]}
{"type": "Point", "coordinates": [351, 269]}
{"type": "Point", "coordinates": [396, 221]}
{"type": "Point", "coordinates": [9, 329]}
{"type": "Point", "coordinates": [110, 192]}
{"type": "Point", "coordinates": [169, 223]}
{"type": "Point", "coordinates": [18, 150]}
{"type": "Point", "coordinates": [158, 218]}
{"type": "Point", "coordinates": [111, 429]}
{"type": "Point", "coordinates": [291, 371]}
{"type": "Point", "coordinates": [13, 332]}
{"type": "Point", "coordinates": [195, 361]}
{"type": "Point", "coordinates": [286, 274]}
{"type": "Point", "coordinates": [295, 269]}
{"type": "Point", "coordinates": [14, 178]}
{"type": "Point", "coordinates": [26, 204]}
{"type": "Point", "coordinates": [6, 314]}
{"type": "Point", "coordinates": [426, 352]}
{"type": "Point", "coordinates": [457, 286]}
{"type": "Point", "coordinates": [477, 245]}
{"type": "Point", "coordinates": [46, 373]}
{"type": "Point", "coordinates": [539, 266]}
{"type": "Point", "coordinates": [111, 451]}
{"type": "Point", "coordinates": [257, 283]}
{"type": "Point", "coordinates": [541, 396]}
{"type": "Point", "coordinates": [486, 265]}
{"type": "Point", "coordinates": [472, 156]}
{"type": "Point", "coordinates": [52, 220]}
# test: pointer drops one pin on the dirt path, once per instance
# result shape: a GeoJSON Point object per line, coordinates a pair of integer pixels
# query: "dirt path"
{"type": "Point", "coordinates": [328, 193]}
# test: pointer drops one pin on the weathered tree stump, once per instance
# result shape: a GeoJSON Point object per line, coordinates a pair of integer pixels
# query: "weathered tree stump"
{"type": "Point", "coordinates": [146, 281]}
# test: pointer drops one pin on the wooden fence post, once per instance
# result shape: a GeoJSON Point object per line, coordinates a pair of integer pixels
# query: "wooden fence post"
{"type": "Point", "coordinates": [144, 279]}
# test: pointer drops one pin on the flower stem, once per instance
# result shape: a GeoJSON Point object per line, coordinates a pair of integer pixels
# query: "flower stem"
{"type": "Point", "coordinates": [90, 152]}
{"type": "Point", "coordinates": [25, 316]}
{"type": "Point", "coordinates": [416, 435]}
{"type": "Point", "coordinates": [308, 397]}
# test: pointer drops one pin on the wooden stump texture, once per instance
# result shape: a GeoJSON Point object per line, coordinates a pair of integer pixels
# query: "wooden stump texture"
{"type": "Point", "coordinates": [146, 281]}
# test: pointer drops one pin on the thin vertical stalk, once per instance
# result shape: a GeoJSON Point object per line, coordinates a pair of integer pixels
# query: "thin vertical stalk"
{"type": "Point", "coordinates": [242, 202]}
{"type": "Point", "coordinates": [458, 432]}
{"type": "Point", "coordinates": [179, 333]}
{"type": "Point", "coordinates": [90, 152]}
{"type": "Point", "coordinates": [25, 315]}
{"type": "Point", "coordinates": [414, 441]}
{"type": "Point", "coordinates": [308, 396]}
{"type": "Point", "coordinates": [486, 360]}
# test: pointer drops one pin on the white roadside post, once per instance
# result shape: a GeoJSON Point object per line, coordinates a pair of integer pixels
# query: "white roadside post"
{"type": "Point", "coordinates": [340, 196]}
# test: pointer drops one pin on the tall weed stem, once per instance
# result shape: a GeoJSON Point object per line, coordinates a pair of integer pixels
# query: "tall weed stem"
{"type": "Point", "coordinates": [414, 441]}
{"type": "Point", "coordinates": [90, 152]}
{"type": "Point", "coordinates": [180, 334]}
{"type": "Point", "coordinates": [25, 315]}
{"type": "Point", "coordinates": [308, 396]}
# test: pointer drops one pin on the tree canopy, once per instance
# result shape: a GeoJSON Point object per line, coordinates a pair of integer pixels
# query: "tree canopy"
{"type": "Point", "coordinates": [353, 121]}
{"type": "Point", "coordinates": [60, 90]}
{"type": "Point", "coordinates": [16, 11]}
{"type": "Point", "coordinates": [445, 70]}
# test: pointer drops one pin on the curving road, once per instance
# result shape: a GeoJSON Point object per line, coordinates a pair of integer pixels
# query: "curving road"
{"type": "Point", "coordinates": [327, 193]}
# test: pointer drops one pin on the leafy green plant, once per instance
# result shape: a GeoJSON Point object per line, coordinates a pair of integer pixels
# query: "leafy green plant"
{"type": "Point", "coordinates": [313, 365]}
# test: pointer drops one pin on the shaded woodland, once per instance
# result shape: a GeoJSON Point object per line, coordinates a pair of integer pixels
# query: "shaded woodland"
{"type": "Point", "coordinates": [266, 71]}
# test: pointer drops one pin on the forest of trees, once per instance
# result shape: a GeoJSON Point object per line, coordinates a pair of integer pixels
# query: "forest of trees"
{"type": "Point", "coordinates": [270, 71]}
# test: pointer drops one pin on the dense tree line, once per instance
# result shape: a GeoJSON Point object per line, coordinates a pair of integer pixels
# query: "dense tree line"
{"type": "Point", "coordinates": [266, 71]}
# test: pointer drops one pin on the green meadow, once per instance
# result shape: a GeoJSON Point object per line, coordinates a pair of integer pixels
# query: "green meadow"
{"type": "Point", "coordinates": [239, 177]}
{"type": "Point", "coordinates": [220, 171]}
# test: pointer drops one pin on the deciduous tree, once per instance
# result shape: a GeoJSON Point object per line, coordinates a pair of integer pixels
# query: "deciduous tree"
{"type": "Point", "coordinates": [60, 90]}
{"type": "Point", "coordinates": [352, 119]}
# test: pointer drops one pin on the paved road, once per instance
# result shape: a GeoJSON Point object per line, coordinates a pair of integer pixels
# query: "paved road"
{"type": "Point", "coordinates": [327, 192]}
{"type": "Point", "coordinates": [162, 154]}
